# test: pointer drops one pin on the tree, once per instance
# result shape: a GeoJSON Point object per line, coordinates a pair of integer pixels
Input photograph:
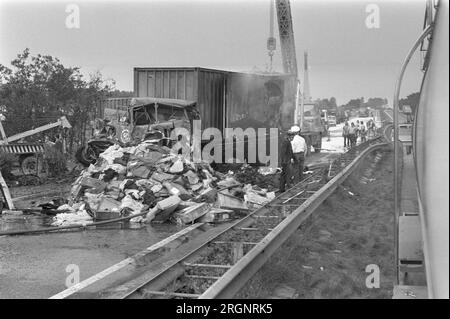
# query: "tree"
{"type": "Point", "coordinates": [373, 102]}
{"type": "Point", "coordinates": [376, 102]}
{"type": "Point", "coordinates": [39, 89]}
{"type": "Point", "coordinates": [354, 103]}
{"type": "Point", "coordinates": [412, 100]}
{"type": "Point", "coordinates": [119, 93]}
{"type": "Point", "coordinates": [327, 104]}
{"type": "Point", "coordinates": [333, 103]}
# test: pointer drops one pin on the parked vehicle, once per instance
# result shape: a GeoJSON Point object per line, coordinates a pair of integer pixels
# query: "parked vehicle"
{"type": "Point", "coordinates": [331, 120]}
{"type": "Point", "coordinates": [312, 128]}
{"type": "Point", "coordinates": [30, 162]}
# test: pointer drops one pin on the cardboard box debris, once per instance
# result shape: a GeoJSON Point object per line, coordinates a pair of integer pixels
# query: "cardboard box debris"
{"type": "Point", "coordinates": [228, 183]}
{"type": "Point", "coordinates": [177, 167]}
{"type": "Point", "coordinates": [165, 208]}
{"type": "Point", "coordinates": [176, 189]}
{"type": "Point", "coordinates": [230, 202]}
{"type": "Point", "coordinates": [141, 172]}
{"type": "Point", "coordinates": [161, 177]}
{"type": "Point", "coordinates": [152, 157]}
{"type": "Point", "coordinates": [208, 195]}
{"type": "Point", "coordinates": [114, 193]}
{"type": "Point", "coordinates": [254, 198]}
{"type": "Point", "coordinates": [149, 178]}
{"type": "Point", "coordinates": [108, 205]}
{"type": "Point", "coordinates": [217, 215]}
{"type": "Point", "coordinates": [192, 177]}
{"type": "Point", "coordinates": [94, 183]}
{"type": "Point", "coordinates": [190, 214]}
{"type": "Point", "coordinates": [185, 204]}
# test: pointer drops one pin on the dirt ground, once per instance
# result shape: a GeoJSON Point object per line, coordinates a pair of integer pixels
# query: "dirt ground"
{"type": "Point", "coordinates": [49, 186]}
{"type": "Point", "coordinates": [353, 228]}
{"type": "Point", "coordinates": [32, 196]}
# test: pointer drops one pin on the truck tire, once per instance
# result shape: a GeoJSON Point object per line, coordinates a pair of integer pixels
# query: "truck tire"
{"type": "Point", "coordinates": [82, 156]}
{"type": "Point", "coordinates": [30, 165]}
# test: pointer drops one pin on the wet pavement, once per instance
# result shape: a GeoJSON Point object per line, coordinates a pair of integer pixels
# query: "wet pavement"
{"type": "Point", "coordinates": [34, 266]}
{"type": "Point", "coordinates": [37, 266]}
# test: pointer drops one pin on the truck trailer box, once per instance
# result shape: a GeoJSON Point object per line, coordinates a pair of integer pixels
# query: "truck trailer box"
{"type": "Point", "coordinates": [224, 98]}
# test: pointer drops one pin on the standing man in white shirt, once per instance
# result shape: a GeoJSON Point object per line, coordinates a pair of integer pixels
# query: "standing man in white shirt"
{"type": "Point", "coordinates": [299, 149]}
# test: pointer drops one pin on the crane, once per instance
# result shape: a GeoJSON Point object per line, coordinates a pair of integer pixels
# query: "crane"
{"type": "Point", "coordinates": [311, 126]}
{"type": "Point", "coordinates": [287, 41]}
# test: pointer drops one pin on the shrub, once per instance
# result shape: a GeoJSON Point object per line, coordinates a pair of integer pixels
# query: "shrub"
{"type": "Point", "coordinates": [55, 161]}
{"type": "Point", "coordinates": [6, 164]}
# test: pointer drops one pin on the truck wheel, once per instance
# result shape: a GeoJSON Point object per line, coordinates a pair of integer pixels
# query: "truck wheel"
{"type": "Point", "coordinates": [30, 166]}
{"type": "Point", "coordinates": [82, 156]}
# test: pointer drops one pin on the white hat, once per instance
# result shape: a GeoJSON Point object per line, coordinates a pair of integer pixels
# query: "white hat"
{"type": "Point", "coordinates": [294, 129]}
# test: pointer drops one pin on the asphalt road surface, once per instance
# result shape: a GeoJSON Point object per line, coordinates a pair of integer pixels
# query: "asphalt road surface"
{"type": "Point", "coordinates": [36, 266]}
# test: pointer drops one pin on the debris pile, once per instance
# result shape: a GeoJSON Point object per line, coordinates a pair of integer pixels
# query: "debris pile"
{"type": "Point", "coordinates": [156, 185]}
{"type": "Point", "coordinates": [262, 176]}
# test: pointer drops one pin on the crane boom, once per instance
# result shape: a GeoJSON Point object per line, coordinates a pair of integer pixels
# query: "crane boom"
{"type": "Point", "coordinates": [63, 122]}
{"type": "Point", "coordinates": [288, 54]}
{"type": "Point", "coordinates": [287, 42]}
{"type": "Point", "coordinates": [311, 129]}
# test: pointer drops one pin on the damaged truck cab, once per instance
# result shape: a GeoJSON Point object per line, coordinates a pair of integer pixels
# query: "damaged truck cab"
{"type": "Point", "coordinates": [143, 119]}
{"type": "Point", "coordinates": [153, 119]}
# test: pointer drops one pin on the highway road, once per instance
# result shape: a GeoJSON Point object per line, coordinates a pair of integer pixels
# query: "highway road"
{"type": "Point", "coordinates": [387, 115]}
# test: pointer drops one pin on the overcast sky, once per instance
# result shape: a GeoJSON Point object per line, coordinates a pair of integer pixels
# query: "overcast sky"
{"type": "Point", "coordinates": [347, 59]}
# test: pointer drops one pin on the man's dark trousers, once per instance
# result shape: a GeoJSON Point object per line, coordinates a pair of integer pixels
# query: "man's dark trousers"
{"type": "Point", "coordinates": [285, 176]}
{"type": "Point", "coordinates": [299, 162]}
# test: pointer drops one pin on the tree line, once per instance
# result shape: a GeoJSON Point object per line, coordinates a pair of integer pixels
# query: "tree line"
{"type": "Point", "coordinates": [356, 103]}
{"type": "Point", "coordinates": [39, 89]}
{"type": "Point", "coordinates": [374, 102]}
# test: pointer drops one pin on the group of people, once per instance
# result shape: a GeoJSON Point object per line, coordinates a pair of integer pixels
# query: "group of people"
{"type": "Point", "coordinates": [293, 151]}
{"type": "Point", "coordinates": [294, 147]}
{"type": "Point", "coordinates": [352, 132]}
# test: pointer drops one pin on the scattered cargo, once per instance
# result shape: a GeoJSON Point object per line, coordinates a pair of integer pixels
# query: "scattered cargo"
{"type": "Point", "coordinates": [157, 186]}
